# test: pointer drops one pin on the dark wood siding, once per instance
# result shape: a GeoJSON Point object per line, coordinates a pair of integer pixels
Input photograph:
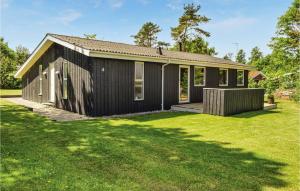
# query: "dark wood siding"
{"type": "Point", "coordinates": [195, 91]}
{"type": "Point", "coordinates": [79, 82]}
{"type": "Point", "coordinates": [79, 91]}
{"type": "Point", "coordinates": [212, 77]}
{"type": "Point", "coordinates": [30, 81]}
{"type": "Point", "coordinates": [212, 81]}
{"type": "Point", "coordinates": [113, 87]}
{"type": "Point", "coordinates": [232, 101]}
{"type": "Point", "coordinates": [171, 85]}
{"type": "Point", "coordinates": [98, 86]}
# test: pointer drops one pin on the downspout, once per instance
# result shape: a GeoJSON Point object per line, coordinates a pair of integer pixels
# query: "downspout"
{"type": "Point", "coordinates": [162, 83]}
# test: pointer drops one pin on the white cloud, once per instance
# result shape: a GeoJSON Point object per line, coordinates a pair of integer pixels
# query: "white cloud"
{"type": "Point", "coordinates": [68, 16]}
{"type": "Point", "coordinates": [174, 4]}
{"type": "Point", "coordinates": [116, 3]}
{"type": "Point", "coordinates": [4, 3]}
{"type": "Point", "coordinates": [233, 22]}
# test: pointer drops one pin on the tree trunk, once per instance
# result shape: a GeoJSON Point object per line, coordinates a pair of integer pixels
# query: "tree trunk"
{"type": "Point", "coordinates": [180, 46]}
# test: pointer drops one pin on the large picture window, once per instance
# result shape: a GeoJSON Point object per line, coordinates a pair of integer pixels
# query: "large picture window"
{"type": "Point", "coordinates": [65, 80]}
{"type": "Point", "coordinates": [240, 77]}
{"type": "Point", "coordinates": [40, 79]}
{"type": "Point", "coordinates": [139, 81]}
{"type": "Point", "coordinates": [223, 77]}
{"type": "Point", "coordinates": [199, 76]}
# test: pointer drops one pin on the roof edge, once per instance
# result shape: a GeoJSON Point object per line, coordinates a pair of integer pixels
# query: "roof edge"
{"type": "Point", "coordinates": [48, 40]}
{"type": "Point", "coordinates": [99, 54]}
{"type": "Point", "coordinates": [43, 46]}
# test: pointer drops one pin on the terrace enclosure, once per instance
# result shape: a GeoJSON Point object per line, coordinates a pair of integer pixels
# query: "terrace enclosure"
{"type": "Point", "coordinates": [97, 78]}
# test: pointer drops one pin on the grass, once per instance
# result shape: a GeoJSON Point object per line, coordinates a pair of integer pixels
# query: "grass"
{"type": "Point", "coordinates": [167, 151]}
{"type": "Point", "coordinates": [9, 92]}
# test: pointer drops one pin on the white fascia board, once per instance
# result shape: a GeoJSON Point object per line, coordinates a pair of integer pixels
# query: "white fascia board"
{"type": "Point", "coordinates": [167, 60]}
{"type": "Point", "coordinates": [42, 48]}
{"type": "Point", "coordinates": [68, 45]}
{"type": "Point", "coordinates": [127, 57]}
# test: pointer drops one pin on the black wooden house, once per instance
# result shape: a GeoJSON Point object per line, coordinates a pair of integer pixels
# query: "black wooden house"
{"type": "Point", "coordinates": [95, 78]}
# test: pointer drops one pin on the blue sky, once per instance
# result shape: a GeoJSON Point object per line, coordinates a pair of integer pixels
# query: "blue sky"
{"type": "Point", "coordinates": [246, 22]}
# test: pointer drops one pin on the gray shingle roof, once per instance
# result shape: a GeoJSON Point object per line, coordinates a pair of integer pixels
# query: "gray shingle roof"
{"type": "Point", "coordinates": [127, 49]}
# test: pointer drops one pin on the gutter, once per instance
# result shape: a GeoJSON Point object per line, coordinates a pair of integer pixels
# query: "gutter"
{"type": "Point", "coordinates": [162, 83]}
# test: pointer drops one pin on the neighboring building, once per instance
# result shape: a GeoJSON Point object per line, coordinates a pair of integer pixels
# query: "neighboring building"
{"type": "Point", "coordinates": [256, 76]}
{"type": "Point", "coordinates": [96, 77]}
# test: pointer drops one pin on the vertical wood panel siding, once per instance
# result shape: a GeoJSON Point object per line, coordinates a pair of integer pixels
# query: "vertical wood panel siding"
{"type": "Point", "coordinates": [79, 91]}
{"type": "Point", "coordinates": [113, 85]}
{"type": "Point", "coordinates": [79, 82]}
{"type": "Point", "coordinates": [171, 85]}
{"type": "Point", "coordinates": [92, 91]}
{"type": "Point", "coordinates": [232, 101]}
{"type": "Point", "coordinates": [196, 92]}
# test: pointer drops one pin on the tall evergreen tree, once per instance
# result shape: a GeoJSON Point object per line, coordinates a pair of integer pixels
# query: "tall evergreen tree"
{"type": "Point", "coordinates": [189, 26]}
{"type": "Point", "coordinates": [198, 45]}
{"type": "Point", "coordinates": [241, 57]}
{"type": "Point", "coordinates": [147, 35]}
{"type": "Point", "coordinates": [163, 44]}
{"type": "Point", "coordinates": [228, 56]}
{"type": "Point", "coordinates": [255, 58]}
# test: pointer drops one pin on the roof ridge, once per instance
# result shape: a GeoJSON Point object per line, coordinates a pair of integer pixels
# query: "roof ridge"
{"type": "Point", "coordinates": [175, 51]}
{"type": "Point", "coordinates": [100, 40]}
{"type": "Point", "coordinates": [149, 48]}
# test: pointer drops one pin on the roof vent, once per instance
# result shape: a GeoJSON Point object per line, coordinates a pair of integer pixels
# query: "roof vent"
{"type": "Point", "coordinates": [159, 50]}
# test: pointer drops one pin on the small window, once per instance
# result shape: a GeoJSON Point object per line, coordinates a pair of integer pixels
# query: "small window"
{"type": "Point", "coordinates": [223, 77]}
{"type": "Point", "coordinates": [139, 81]}
{"type": "Point", "coordinates": [65, 80]}
{"type": "Point", "coordinates": [40, 79]}
{"type": "Point", "coordinates": [199, 76]}
{"type": "Point", "coordinates": [240, 77]}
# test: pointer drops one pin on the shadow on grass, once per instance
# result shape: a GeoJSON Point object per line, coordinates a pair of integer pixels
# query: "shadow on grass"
{"type": "Point", "coordinates": [250, 114]}
{"type": "Point", "coordinates": [122, 155]}
{"type": "Point", "coordinates": [158, 116]}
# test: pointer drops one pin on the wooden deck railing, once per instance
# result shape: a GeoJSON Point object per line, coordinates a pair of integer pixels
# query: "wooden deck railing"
{"type": "Point", "coordinates": [217, 101]}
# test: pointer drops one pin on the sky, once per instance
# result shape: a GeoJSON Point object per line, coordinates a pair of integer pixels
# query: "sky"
{"type": "Point", "coordinates": [234, 24]}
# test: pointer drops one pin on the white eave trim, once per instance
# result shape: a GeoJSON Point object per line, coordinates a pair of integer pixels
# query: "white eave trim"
{"type": "Point", "coordinates": [42, 48]}
{"type": "Point", "coordinates": [168, 60]}
{"type": "Point", "coordinates": [49, 40]}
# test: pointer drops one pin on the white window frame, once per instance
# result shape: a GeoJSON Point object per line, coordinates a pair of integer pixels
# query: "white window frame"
{"type": "Point", "coordinates": [226, 76]}
{"type": "Point", "coordinates": [65, 80]}
{"type": "Point", "coordinates": [204, 76]}
{"type": "Point", "coordinates": [143, 80]}
{"type": "Point", "coordinates": [189, 83]}
{"type": "Point", "coordinates": [40, 79]}
{"type": "Point", "coordinates": [243, 77]}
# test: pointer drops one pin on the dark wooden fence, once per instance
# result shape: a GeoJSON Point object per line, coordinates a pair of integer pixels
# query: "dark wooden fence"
{"type": "Point", "coordinates": [226, 102]}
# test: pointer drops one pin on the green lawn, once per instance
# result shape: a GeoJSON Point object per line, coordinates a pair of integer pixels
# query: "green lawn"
{"type": "Point", "coordinates": [5, 92]}
{"type": "Point", "coordinates": [167, 151]}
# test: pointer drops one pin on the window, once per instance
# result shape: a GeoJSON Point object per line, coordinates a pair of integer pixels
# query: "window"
{"type": "Point", "coordinates": [41, 79]}
{"type": "Point", "coordinates": [199, 76]}
{"type": "Point", "coordinates": [139, 81]}
{"type": "Point", "coordinates": [65, 80]}
{"type": "Point", "coordinates": [223, 77]}
{"type": "Point", "coordinates": [240, 77]}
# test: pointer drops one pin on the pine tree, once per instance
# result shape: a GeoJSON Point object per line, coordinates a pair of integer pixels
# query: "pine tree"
{"type": "Point", "coordinates": [147, 35]}
{"type": "Point", "coordinates": [241, 57]}
{"type": "Point", "coordinates": [189, 25]}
